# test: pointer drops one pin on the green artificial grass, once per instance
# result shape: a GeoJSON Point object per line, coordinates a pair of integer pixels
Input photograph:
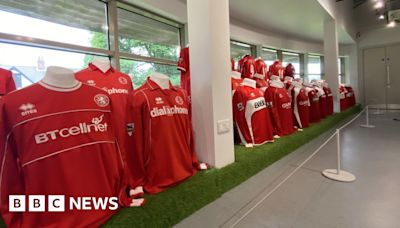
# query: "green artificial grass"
{"type": "Point", "coordinates": [170, 207]}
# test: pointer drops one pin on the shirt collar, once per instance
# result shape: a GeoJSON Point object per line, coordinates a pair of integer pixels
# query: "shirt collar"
{"type": "Point", "coordinates": [95, 68]}
{"type": "Point", "coordinates": [155, 86]}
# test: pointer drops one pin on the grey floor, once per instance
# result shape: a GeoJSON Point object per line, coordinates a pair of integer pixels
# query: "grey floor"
{"type": "Point", "coordinates": [308, 199]}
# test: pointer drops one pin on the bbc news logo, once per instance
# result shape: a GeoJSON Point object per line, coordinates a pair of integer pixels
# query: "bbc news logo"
{"type": "Point", "coordinates": [57, 203]}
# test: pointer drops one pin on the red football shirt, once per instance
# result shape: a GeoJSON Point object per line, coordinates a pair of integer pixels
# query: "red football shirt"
{"type": "Point", "coordinates": [301, 107]}
{"type": "Point", "coordinates": [343, 100]}
{"type": "Point", "coordinates": [184, 67]}
{"type": "Point", "coordinates": [322, 101]}
{"type": "Point", "coordinates": [59, 142]}
{"type": "Point", "coordinates": [164, 149]}
{"type": "Point", "coordinates": [6, 82]}
{"type": "Point", "coordinates": [251, 116]}
{"type": "Point", "coordinates": [350, 96]}
{"type": "Point", "coordinates": [235, 83]}
{"type": "Point", "coordinates": [248, 68]}
{"type": "Point", "coordinates": [118, 85]}
{"type": "Point", "coordinates": [260, 82]}
{"type": "Point", "coordinates": [278, 100]}
{"type": "Point", "coordinates": [241, 62]}
{"type": "Point", "coordinates": [315, 111]}
{"type": "Point", "coordinates": [329, 100]}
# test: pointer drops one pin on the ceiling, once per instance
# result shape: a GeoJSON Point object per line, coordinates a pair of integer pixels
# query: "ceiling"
{"type": "Point", "coordinates": [299, 19]}
{"type": "Point", "coordinates": [366, 15]}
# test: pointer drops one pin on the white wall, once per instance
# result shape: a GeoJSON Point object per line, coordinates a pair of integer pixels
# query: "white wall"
{"type": "Point", "coordinates": [343, 13]}
{"type": "Point", "coordinates": [379, 37]}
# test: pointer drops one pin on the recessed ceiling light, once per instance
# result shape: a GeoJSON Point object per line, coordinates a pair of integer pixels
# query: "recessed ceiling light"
{"type": "Point", "coordinates": [391, 24]}
{"type": "Point", "coordinates": [379, 5]}
{"type": "Point", "coordinates": [381, 17]}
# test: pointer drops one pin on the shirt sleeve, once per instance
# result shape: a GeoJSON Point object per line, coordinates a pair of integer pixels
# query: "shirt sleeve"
{"type": "Point", "coordinates": [182, 63]}
{"type": "Point", "coordinates": [271, 99]}
{"type": "Point", "coordinates": [10, 173]}
{"type": "Point", "coordinates": [10, 86]}
{"type": "Point", "coordinates": [138, 157]}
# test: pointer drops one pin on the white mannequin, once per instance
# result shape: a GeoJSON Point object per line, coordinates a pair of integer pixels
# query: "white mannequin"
{"type": "Point", "coordinates": [103, 64]}
{"type": "Point", "coordinates": [160, 79]}
{"type": "Point", "coordinates": [297, 84]}
{"type": "Point", "coordinates": [249, 82]}
{"type": "Point", "coordinates": [236, 75]}
{"type": "Point", "coordinates": [60, 77]}
{"type": "Point", "coordinates": [307, 84]}
{"type": "Point", "coordinates": [288, 79]}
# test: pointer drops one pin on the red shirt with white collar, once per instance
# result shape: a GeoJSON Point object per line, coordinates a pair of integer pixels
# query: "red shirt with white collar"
{"type": "Point", "coordinates": [6, 82]}
{"type": "Point", "coordinates": [315, 110]}
{"type": "Point", "coordinates": [279, 101]}
{"type": "Point", "coordinates": [329, 100]}
{"type": "Point", "coordinates": [251, 116]}
{"type": "Point", "coordinates": [184, 67]}
{"type": "Point", "coordinates": [163, 153]}
{"type": "Point", "coordinates": [56, 141]}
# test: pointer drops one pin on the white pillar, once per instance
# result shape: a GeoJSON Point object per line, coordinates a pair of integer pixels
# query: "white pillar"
{"type": "Point", "coordinates": [331, 55]}
{"type": "Point", "coordinates": [208, 24]}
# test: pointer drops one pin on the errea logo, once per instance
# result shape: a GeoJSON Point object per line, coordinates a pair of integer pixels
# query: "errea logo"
{"type": "Point", "coordinates": [27, 109]}
{"type": "Point", "coordinates": [159, 100]}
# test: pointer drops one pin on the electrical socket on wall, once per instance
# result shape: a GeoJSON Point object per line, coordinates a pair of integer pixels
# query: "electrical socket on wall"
{"type": "Point", "coordinates": [223, 126]}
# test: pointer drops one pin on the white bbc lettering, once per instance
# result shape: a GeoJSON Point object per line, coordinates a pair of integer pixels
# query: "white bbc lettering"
{"type": "Point", "coordinates": [81, 128]}
{"type": "Point", "coordinates": [93, 203]}
{"type": "Point", "coordinates": [56, 203]}
{"type": "Point", "coordinates": [16, 203]}
{"type": "Point", "coordinates": [36, 203]}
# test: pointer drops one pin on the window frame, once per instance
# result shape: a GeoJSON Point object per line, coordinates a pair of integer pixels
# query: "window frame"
{"type": "Point", "coordinates": [112, 52]}
{"type": "Point", "coordinates": [321, 66]}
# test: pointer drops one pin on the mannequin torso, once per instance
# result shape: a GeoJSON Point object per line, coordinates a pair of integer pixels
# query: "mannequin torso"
{"type": "Point", "coordinates": [103, 64]}
{"type": "Point", "coordinates": [60, 77]}
{"type": "Point", "coordinates": [161, 80]}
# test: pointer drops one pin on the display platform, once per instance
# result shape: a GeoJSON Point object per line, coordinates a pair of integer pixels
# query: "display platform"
{"type": "Point", "coordinates": [170, 207]}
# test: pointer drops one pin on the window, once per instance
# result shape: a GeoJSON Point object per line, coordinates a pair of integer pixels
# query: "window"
{"type": "Point", "coordinates": [28, 64]}
{"type": "Point", "coordinates": [144, 36]}
{"type": "Point", "coordinates": [72, 33]}
{"type": "Point", "coordinates": [294, 59]}
{"type": "Point", "coordinates": [73, 22]}
{"type": "Point", "coordinates": [269, 56]}
{"type": "Point", "coordinates": [238, 50]}
{"type": "Point", "coordinates": [342, 69]}
{"type": "Point", "coordinates": [314, 67]}
{"type": "Point", "coordinates": [139, 70]}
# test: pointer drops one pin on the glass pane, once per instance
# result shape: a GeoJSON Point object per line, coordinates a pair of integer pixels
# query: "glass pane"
{"type": "Point", "coordinates": [314, 64]}
{"type": "Point", "coordinates": [314, 76]}
{"type": "Point", "coordinates": [294, 59]}
{"type": "Point", "coordinates": [147, 37]}
{"type": "Point", "coordinates": [269, 55]}
{"type": "Point", "coordinates": [140, 70]}
{"type": "Point", "coordinates": [238, 50]}
{"type": "Point", "coordinates": [339, 66]}
{"type": "Point", "coordinates": [29, 64]}
{"type": "Point", "coordinates": [74, 21]}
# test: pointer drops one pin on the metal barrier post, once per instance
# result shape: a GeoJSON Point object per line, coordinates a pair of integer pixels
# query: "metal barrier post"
{"type": "Point", "coordinates": [338, 174]}
{"type": "Point", "coordinates": [367, 125]}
